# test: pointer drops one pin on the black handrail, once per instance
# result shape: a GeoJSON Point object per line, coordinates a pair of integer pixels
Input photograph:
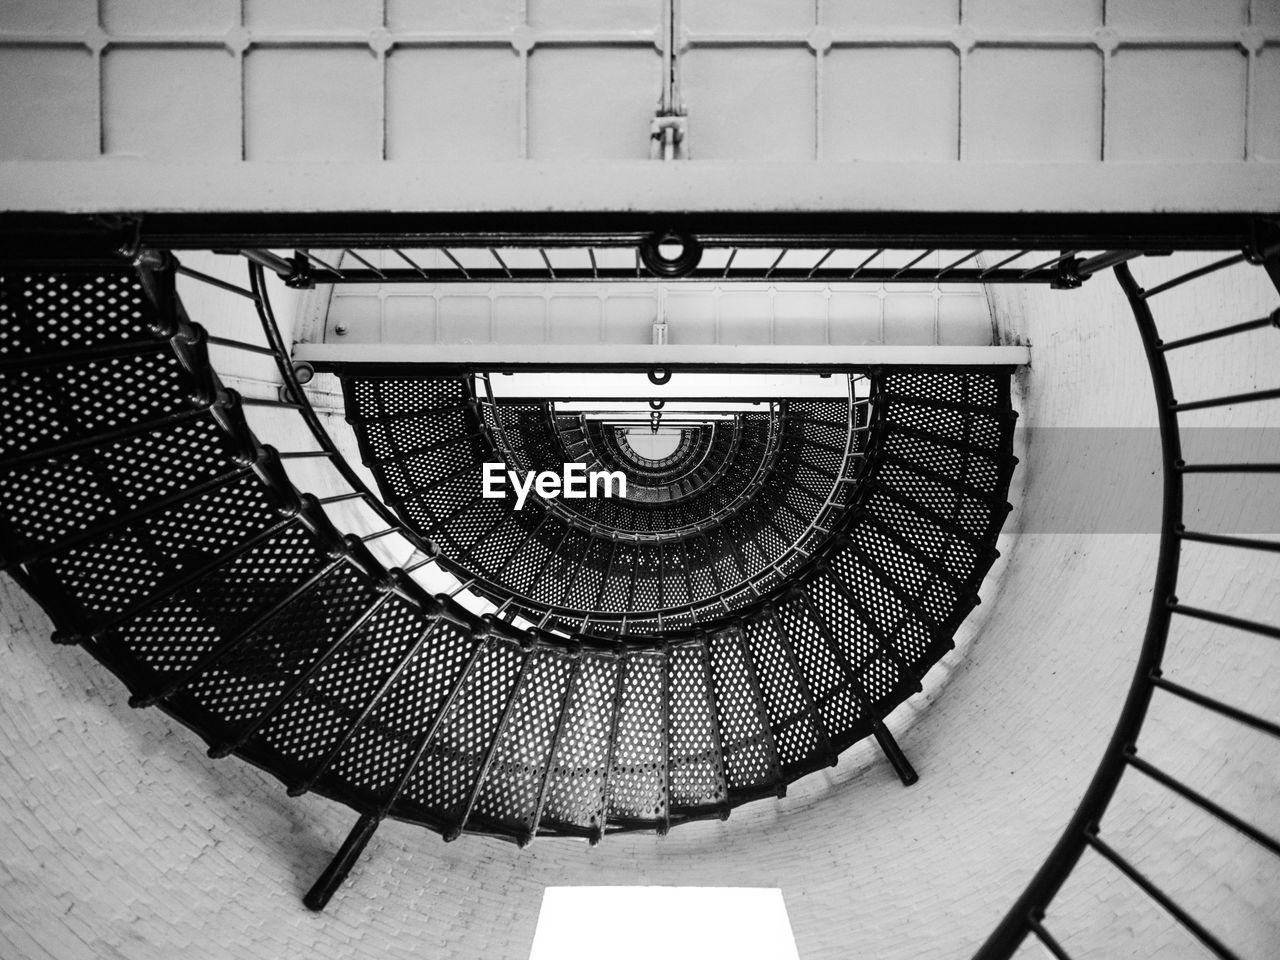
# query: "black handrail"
{"type": "Point", "coordinates": [1027, 914]}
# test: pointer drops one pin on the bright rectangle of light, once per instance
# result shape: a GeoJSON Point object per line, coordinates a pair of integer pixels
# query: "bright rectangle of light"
{"type": "Point", "coordinates": [596, 407]}
{"type": "Point", "coordinates": [685, 386]}
{"type": "Point", "coordinates": [674, 923]}
{"type": "Point", "coordinates": [678, 421]}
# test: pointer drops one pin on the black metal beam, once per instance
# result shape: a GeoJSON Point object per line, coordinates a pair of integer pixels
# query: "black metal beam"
{"type": "Point", "coordinates": [33, 236]}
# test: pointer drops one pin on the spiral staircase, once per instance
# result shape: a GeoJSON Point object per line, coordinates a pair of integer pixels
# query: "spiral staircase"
{"type": "Point", "coordinates": [739, 622]}
{"type": "Point", "coordinates": [771, 591]}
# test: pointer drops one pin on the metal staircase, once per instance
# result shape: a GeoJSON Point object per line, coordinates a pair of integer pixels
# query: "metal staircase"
{"type": "Point", "coordinates": [780, 585]}
{"type": "Point", "coordinates": [654, 662]}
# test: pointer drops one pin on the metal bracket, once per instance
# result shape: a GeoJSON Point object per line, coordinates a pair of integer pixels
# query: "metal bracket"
{"type": "Point", "coordinates": [667, 131]}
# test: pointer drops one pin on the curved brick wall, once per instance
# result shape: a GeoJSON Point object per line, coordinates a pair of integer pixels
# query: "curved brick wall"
{"type": "Point", "coordinates": [119, 838]}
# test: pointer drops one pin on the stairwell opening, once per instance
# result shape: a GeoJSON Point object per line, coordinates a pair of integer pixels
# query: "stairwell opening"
{"type": "Point", "coordinates": [583, 923]}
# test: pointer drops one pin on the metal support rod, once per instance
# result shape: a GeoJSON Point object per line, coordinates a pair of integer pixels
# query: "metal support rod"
{"type": "Point", "coordinates": [421, 563]}
{"type": "Point", "coordinates": [1271, 320]}
{"type": "Point", "coordinates": [1230, 468]}
{"type": "Point", "coordinates": [258, 402]}
{"type": "Point", "coordinates": [220, 284]}
{"type": "Point", "coordinates": [901, 766]}
{"type": "Point", "coordinates": [357, 256]}
{"type": "Point", "coordinates": [1046, 938]}
{"type": "Point", "coordinates": [339, 498]}
{"type": "Point", "coordinates": [276, 264]}
{"type": "Point", "coordinates": [238, 345]}
{"type": "Point", "coordinates": [1217, 706]}
{"type": "Point", "coordinates": [1105, 261]}
{"type": "Point", "coordinates": [1218, 539]}
{"type": "Point", "coordinates": [317, 898]}
{"type": "Point", "coordinates": [1192, 275]}
{"type": "Point", "coordinates": [401, 254]}
{"type": "Point", "coordinates": [1203, 802]}
{"type": "Point", "coordinates": [327, 267]}
{"type": "Point", "coordinates": [1192, 926]}
{"type": "Point", "coordinates": [1250, 397]}
{"type": "Point", "coordinates": [1046, 264]}
{"type": "Point", "coordinates": [1239, 623]}
{"type": "Point", "coordinates": [994, 267]}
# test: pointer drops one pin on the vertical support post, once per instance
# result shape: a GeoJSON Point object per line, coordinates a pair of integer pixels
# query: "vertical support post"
{"type": "Point", "coordinates": [336, 872]}
{"type": "Point", "coordinates": [897, 759]}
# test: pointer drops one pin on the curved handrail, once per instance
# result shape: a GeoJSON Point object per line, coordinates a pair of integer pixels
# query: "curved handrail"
{"type": "Point", "coordinates": [293, 389]}
{"type": "Point", "coordinates": [1027, 914]}
{"type": "Point", "coordinates": [1029, 909]}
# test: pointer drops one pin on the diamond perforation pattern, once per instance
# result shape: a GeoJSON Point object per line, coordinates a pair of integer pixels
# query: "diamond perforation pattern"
{"type": "Point", "coordinates": [579, 772]}
{"type": "Point", "coordinates": [310, 724]}
{"type": "Point", "coordinates": [448, 771]}
{"type": "Point", "coordinates": [173, 636]}
{"type": "Point", "coordinates": [637, 779]}
{"type": "Point", "coordinates": [378, 754]}
{"type": "Point", "coordinates": [510, 792]}
{"type": "Point", "coordinates": [250, 676]}
{"type": "Point", "coordinates": [788, 712]}
{"type": "Point", "coordinates": [693, 753]}
{"type": "Point", "coordinates": [743, 721]}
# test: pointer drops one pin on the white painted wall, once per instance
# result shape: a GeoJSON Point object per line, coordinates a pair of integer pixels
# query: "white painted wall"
{"type": "Point", "coordinates": [504, 79]}
{"type": "Point", "coordinates": [736, 313]}
{"type": "Point", "coordinates": [405, 104]}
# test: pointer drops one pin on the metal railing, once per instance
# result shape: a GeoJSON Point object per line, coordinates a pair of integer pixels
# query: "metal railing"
{"type": "Point", "coordinates": [676, 257]}
{"type": "Point", "coordinates": [1028, 915]}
